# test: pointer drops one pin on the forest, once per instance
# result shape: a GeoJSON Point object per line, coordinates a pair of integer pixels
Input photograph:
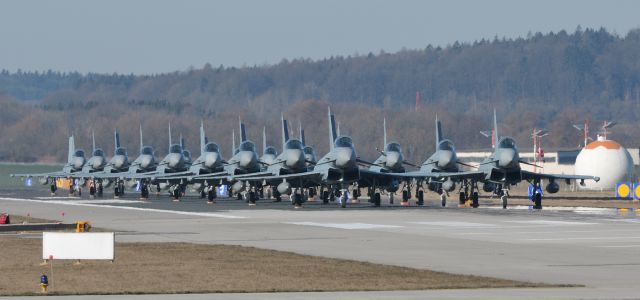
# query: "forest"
{"type": "Point", "coordinates": [544, 80]}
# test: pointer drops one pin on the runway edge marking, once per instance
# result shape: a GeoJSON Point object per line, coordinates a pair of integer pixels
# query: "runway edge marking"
{"type": "Point", "coordinates": [177, 212]}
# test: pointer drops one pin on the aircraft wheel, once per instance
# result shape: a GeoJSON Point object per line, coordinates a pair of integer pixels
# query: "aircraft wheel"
{"type": "Point", "coordinates": [443, 200]}
{"type": "Point", "coordinates": [312, 192]}
{"type": "Point", "coordinates": [474, 199]}
{"type": "Point", "coordinates": [251, 197]}
{"type": "Point", "coordinates": [504, 201]}
{"type": "Point", "coordinates": [462, 198]}
{"type": "Point", "coordinates": [203, 194]}
{"type": "Point", "coordinates": [211, 195]}
{"type": "Point", "coordinates": [538, 201]}
{"type": "Point", "coordinates": [239, 196]}
{"type": "Point", "coordinates": [376, 199]}
{"type": "Point", "coordinates": [405, 196]}
{"type": "Point", "coordinates": [343, 201]}
{"type": "Point", "coordinates": [325, 197]}
{"type": "Point", "coordinates": [277, 196]}
{"type": "Point", "coordinates": [176, 194]}
{"type": "Point", "coordinates": [420, 197]}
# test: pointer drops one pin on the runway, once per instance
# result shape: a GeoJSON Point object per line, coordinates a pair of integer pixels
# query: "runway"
{"type": "Point", "coordinates": [598, 249]}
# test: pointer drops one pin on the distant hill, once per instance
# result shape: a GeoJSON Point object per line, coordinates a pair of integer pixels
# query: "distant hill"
{"type": "Point", "coordinates": [548, 80]}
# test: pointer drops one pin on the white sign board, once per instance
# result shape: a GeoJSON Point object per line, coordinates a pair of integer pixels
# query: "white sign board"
{"type": "Point", "coordinates": [83, 245]}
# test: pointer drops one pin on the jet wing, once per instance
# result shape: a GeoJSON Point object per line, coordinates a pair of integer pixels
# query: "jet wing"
{"type": "Point", "coordinates": [440, 175]}
{"type": "Point", "coordinates": [531, 175]}
{"type": "Point", "coordinates": [57, 174]}
{"type": "Point", "coordinates": [309, 176]}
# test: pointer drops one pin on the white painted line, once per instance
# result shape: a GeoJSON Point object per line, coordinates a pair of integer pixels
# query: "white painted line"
{"type": "Point", "coordinates": [455, 224]}
{"type": "Point", "coordinates": [620, 246]}
{"type": "Point", "coordinates": [105, 201]}
{"type": "Point", "coordinates": [345, 225]}
{"type": "Point", "coordinates": [549, 222]}
{"type": "Point", "coordinates": [175, 212]}
{"type": "Point", "coordinates": [57, 198]}
{"type": "Point", "coordinates": [585, 238]}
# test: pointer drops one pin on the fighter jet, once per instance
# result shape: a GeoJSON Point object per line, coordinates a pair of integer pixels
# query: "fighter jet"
{"type": "Point", "coordinates": [98, 161]}
{"type": "Point", "coordinates": [120, 160]}
{"type": "Point", "coordinates": [269, 153]}
{"type": "Point", "coordinates": [75, 161]}
{"type": "Point", "coordinates": [502, 169]}
{"type": "Point", "coordinates": [391, 160]}
{"type": "Point", "coordinates": [309, 153]}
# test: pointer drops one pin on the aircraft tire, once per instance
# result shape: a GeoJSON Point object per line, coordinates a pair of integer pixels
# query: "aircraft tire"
{"type": "Point", "coordinates": [405, 196]}
{"type": "Point", "coordinates": [538, 201]}
{"type": "Point", "coordinates": [462, 198]}
{"type": "Point", "coordinates": [504, 201]}
{"type": "Point", "coordinates": [443, 199]}
{"type": "Point", "coordinates": [420, 198]}
{"type": "Point", "coordinates": [474, 199]}
{"type": "Point", "coordinates": [376, 199]}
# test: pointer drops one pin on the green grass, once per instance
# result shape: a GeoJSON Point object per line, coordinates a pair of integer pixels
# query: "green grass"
{"type": "Point", "coordinates": [8, 168]}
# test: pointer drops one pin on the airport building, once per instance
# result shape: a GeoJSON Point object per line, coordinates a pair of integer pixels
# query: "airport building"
{"type": "Point", "coordinates": [606, 159]}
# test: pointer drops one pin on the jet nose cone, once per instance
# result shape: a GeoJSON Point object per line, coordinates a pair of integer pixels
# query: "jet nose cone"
{"type": "Point", "coordinates": [118, 161]}
{"type": "Point", "coordinates": [146, 161]}
{"type": "Point", "coordinates": [97, 162]}
{"type": "Point", "coordinates": [507, 158]}
{"type": "Point", "coordinates": [445, 159]}
{"type": "Point", "coordinates": [78, 162]}
{"type": "Point", "coordinates": [211, 159]}
{"type": "Point", "coordinates": [394, 160]}
{"type": "Point", "coordinates": [247, 159]}
{"type": "Point", "coordinates": [175, 160]}
{"type": "Point", "coordinates": [295, 159]}
{"type": "Point", "coordinates": [345, 157]}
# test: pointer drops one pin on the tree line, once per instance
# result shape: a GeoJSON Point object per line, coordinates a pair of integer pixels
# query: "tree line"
{"type": "Point", "coordinates": [544, 80]}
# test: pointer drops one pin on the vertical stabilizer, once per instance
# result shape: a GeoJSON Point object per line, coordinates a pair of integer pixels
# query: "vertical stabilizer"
{"type": "Point", "coordinates": [93, 140]}
{"type": "Point", "coordinates": [332, 129]}
{"type": "Point", "coordinates": [170, 134]}
{"type": "Point", "coordinates": [72, 149]}
{"type": "Point", "coordinates": [264, 139]}
{"type": "Point", "coordinates": [302, 135]}
{"type": "Point", "coordinates": [496, 136]}
{"type": "Point", "coordinates": [243, 132]}
{"type": "Point", "coordinates": [285, 132]}
{"type": "Point", "coordinates": [438, 131]}
{"type": "Point", "coordinates": [141, 143]}
{"type": "Point", "coordinates": [203, 139]}
{"type": "Point", "coordinates": [181, 142]}
{"type": "Point", "coordinates": [233, 142]}
{"type": "Point", "coordinates": [384, 132]}
{"type": "Point", "coordinates": [117, 139]}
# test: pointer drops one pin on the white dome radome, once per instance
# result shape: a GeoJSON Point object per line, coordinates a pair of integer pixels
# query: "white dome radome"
{"type": "Point", "coordinates": [607, 160]}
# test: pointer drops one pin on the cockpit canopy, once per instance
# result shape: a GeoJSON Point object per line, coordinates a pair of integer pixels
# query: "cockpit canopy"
{"type": "Point", "coordinates": [446, 145]}
{"type": "Point", "coordinates": [98, 152]}
{"type": "Point", "coordinates": [79, 153]}
{"type": "Point", "coordinates": [507, 143]}
{"type": "Point", "coordinates": [393, 147]}
{"type": "Point", "coordinates": [271, 151]}
{"type": "Point", "coordinates": [175, 148]}
{"type": "Point", "coordinates": [121, 151]}
{"type": "Point", "coordinates": [211, 147]}
{"type": "Point", "coordinates": [247, 146]}
{"type": "Point", "coordinates": [308, 150]}
{"type": "Point", "coordinates": [147, 150]}
{"type": "Point", "coordinates": [343, 141]}
{"type": "Point", "coordinates": [293, 145]}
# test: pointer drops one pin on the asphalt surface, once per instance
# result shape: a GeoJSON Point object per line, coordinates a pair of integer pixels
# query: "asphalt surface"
{"type": "Point", "coordinates": [597, 248]}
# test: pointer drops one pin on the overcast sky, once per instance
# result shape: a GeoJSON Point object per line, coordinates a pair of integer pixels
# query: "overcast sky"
{"type": "Point", "coordinates": [151, 36]}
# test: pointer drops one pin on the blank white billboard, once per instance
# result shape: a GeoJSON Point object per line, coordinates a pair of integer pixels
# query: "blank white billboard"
{"type": "Point", "coordinates": [83, 245]}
